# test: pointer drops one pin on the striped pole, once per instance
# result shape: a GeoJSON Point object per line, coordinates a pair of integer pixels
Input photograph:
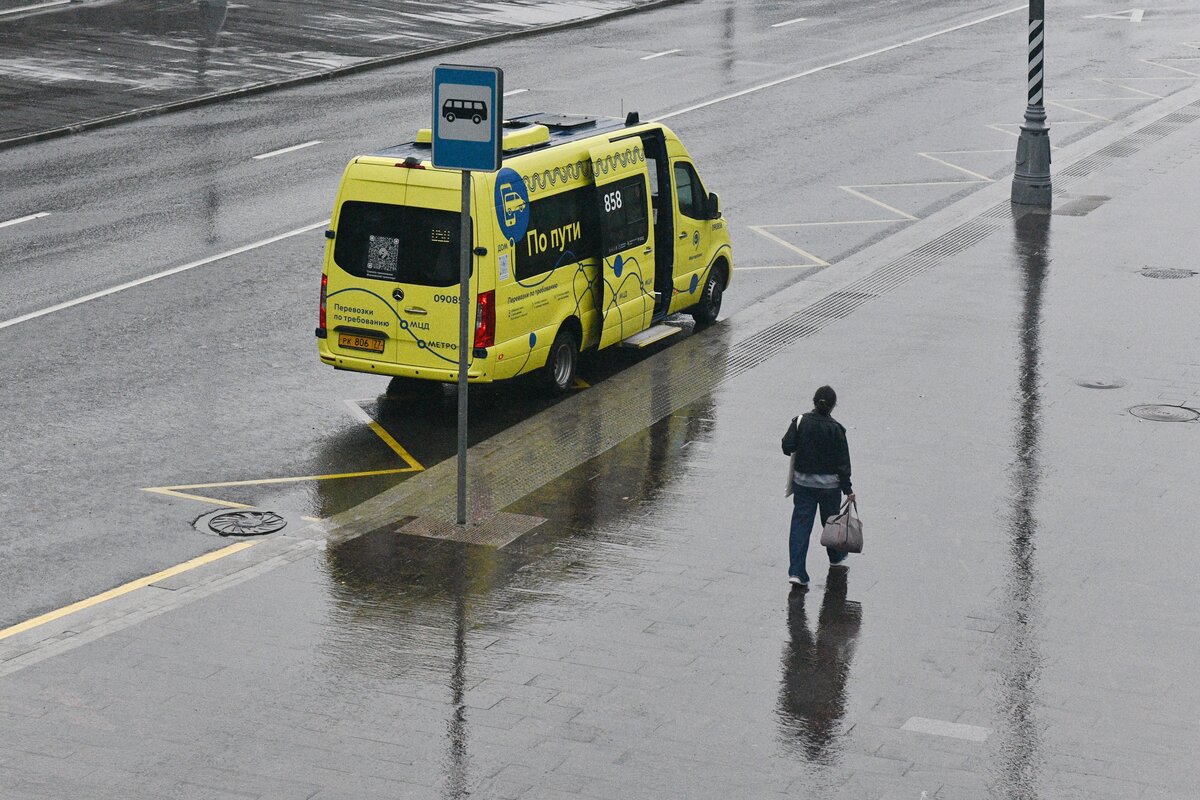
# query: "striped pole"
{"type": "Point", "coordinates": [1031, 178]}
{"type": "Point", "coordinates": [1037, 31]}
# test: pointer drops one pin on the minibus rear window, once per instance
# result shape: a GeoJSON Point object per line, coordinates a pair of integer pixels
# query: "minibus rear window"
{"type": "Point", "coordinates": [398, 243]}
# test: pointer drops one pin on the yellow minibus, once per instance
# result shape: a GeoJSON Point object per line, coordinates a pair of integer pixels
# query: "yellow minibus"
{"type": "Point", "coordinates": [592, 232]}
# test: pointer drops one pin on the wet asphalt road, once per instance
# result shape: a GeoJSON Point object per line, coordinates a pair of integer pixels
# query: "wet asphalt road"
{"type": "Point", "coordinates": [210, 376]}
{"type": "Point", "coordinates": [62, 65]}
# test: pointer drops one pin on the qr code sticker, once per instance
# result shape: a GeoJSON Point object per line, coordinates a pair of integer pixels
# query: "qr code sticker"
{"type": "Point", "coordinates": [383, 257]}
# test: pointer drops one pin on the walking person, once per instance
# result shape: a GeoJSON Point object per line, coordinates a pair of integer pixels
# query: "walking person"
{"type": "Point", "coordinates": [818, 476]}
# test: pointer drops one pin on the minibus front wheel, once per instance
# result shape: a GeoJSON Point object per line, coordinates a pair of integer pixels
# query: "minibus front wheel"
{"type": "Point", "coordinates": [705, 312]}
{"type": "Point", "coordinates": [561, 363]}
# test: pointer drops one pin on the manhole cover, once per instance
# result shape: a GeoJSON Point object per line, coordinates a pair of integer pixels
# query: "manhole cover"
{"type": "Point", "coordinates": [1167, 274]}
{"type": "Point", "coordinates": [246, 523]}
{"type": "Point", "coordinates": [1101, 383]}
{"type": "Point", "coordinates": [1166, 413]}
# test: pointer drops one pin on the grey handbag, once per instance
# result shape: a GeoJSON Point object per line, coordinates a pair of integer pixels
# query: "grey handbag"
{"type": "Point", "coordinates": [843, 531]}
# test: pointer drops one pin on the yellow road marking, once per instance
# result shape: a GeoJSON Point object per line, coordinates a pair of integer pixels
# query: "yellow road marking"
{"type": "Point", "coordinates": [169, 492]}
{"type": "Point", "coordinates": [357, 412]}
{"type": "Point", "coordinates": [124, 589]}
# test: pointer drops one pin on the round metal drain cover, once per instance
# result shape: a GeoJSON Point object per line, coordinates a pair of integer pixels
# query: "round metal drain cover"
{"type": "Point", "coordinates": [246, 523]}
{"type": "Point", "coordinates": [1166, 413]}
{"type": "Point", "coordinates": [1101, 383]}
{"type": "Point", "coordinates": [1167, 274]}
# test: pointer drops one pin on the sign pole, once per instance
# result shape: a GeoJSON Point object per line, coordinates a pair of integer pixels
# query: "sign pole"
{"type": "Point", "coordinates": [464, 279]}
{"type": "Point", "coordinates": [464, 99]}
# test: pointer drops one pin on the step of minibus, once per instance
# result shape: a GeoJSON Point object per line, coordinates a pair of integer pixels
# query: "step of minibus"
{"type": "Point", "coordinates": [649, 336]}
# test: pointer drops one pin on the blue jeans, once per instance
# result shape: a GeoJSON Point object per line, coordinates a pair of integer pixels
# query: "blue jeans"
{"type": "Point", "coordinates": [806, 501]}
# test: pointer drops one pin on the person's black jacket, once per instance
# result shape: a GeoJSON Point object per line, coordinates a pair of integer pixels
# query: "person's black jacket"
{"type": "Point", "coordinates": [819, 442]}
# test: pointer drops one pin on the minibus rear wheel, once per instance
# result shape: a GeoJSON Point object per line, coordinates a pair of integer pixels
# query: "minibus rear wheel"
{"type": "Point", "coordinates": [705, 312]}
{"type": "Point", "coordinates": [561, 363]}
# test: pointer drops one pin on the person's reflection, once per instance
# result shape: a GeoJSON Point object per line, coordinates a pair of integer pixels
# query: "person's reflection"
{"type": "Point", "coordinates": [812, 697]}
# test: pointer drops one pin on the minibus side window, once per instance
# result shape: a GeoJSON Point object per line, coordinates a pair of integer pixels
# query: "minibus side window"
{"type": "Point", "coordinates": [562, 231]}
{"type": "Point", "coordinates": [405, 244]}
{"type": "Point", "coordinates": [624, 207]}
{"type": "Point", "coordinates": [689, 191]}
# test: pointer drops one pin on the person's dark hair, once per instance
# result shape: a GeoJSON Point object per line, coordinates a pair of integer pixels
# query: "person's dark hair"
{"type": "Point", "coordinates": [824, 399]}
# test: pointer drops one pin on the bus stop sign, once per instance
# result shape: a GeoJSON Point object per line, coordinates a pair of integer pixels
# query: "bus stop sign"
{"type": "Point", "coordinates": [468, 111]}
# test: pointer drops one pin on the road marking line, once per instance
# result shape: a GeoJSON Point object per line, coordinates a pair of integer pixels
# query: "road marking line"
{"type": "Point", "coordinates": [840, 63]}
{"type": "Point", "coordinates": [817, 262]}
{"type": "Point", "coordinates": [833, 222]}
{"type": "Point", "coordinates": [656, 55]}
{"type": "Point", "coordinates": [937, 727]}
{"type": "Point", "coordinates": [780, 266]}
{"type": "Point", "coordinates": [880, 203]}
{"type": "Point", "coordinates": [39, 6]}
{"type": "Point", "coordinates": [164, 274]}
{"type": "Point", "coordinates": [174, 491]}
{"type": "Point", "coordinates": [964, 170]}
{"type": "Point", "coordinates": [28, 218]}
{"type": "Point", "coordinates": [357, 412]}
{"type": "Point", "coordinates": [1109, 82]}
{"type": "Point", "coordinates": [1129, 14]}
{"type": "Point", "coordinates": [1061, 104]}
{"type": "Point", "coordinates": [789, 22]}
{"type": "Point", "coordinates": [1168, 66]}
{"type": "Point", "coordinates": [291, 149]}
{"type": "Point", "coordinates": [216, 501]}
{"type": "Point", "coordinates": [124, 589]}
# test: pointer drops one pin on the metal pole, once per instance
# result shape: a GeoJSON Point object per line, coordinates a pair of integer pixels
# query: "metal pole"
{"type": "Point", "coordinates": [464, 278]}
{"type": "Point", "coordinates": [1031, 179]}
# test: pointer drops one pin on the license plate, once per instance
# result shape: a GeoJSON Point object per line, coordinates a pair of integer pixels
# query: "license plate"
{"type": "Point", "coordinates": [358, 342]}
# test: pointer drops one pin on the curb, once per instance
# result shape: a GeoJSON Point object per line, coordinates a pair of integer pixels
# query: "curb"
{"type": "Point", "coordinates": [314, 77]}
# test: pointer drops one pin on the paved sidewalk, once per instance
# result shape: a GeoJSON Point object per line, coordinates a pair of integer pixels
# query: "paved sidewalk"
{"type": "Point", "coordinates": [71, 65]}
{"type": "Point", "coordinates": [1021, 624]}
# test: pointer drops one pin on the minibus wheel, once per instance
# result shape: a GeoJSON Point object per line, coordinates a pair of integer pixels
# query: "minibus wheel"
{"type": "Point", "coordinates": [561, 363]}
{"type": "Point", "coordinates": [705, 312]}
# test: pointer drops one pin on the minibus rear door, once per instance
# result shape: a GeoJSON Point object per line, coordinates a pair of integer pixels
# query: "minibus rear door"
{"type": "Point", "coordinates": [626, 282]}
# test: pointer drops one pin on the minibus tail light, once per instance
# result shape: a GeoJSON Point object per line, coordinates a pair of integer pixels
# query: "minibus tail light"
{"type": "Point", "coordinates": [485, 320]}
{"type": "Point", "coordinates": [324, 291]}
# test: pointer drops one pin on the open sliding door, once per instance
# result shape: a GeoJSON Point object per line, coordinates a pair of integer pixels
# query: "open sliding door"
{"type": "Point", "coordinates": [626, 239]}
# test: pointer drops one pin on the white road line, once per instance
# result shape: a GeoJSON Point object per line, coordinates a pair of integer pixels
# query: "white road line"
{"type": "Point", "coordinates": [937, 727]}
{"type": "Point", "coordinates": [781, 266]}
{"type": "Point", "coordinates": [656, 55]}
{"type": "Point", "coordinates": [789, 22]}
{"type": "Point", "coordinates": [843, 62]}
{"type": "Point", "coordinates": [165, 273]}
{"type": "Point", "coordinates": [51, 4]}
{"type": "Point", "coordinates": [291, 149]}
{"type": "Point", "coordinates": [880, 203]}
{"type": "Point", "coordinates": [515, 91]}
{"type": "Point", "coordinates": [19, 220]}
{"type": "Point", "coordinates": [816, 262]}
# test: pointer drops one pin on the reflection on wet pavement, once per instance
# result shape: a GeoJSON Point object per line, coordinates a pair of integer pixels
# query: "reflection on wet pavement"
{"type": "Point", "coordinates": [1020, 758]}
{"type": "Point", "coordinates": [816, 666]}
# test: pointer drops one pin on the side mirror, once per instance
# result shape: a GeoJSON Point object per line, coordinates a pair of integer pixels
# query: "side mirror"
{"type": "Point", "coordinates": [714, 206]}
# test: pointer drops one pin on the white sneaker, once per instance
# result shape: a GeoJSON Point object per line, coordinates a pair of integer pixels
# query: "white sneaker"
{"type": "Point", "coordinates": [844, 563]}
{"type": "Point", "coordinates": [797, 580]}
